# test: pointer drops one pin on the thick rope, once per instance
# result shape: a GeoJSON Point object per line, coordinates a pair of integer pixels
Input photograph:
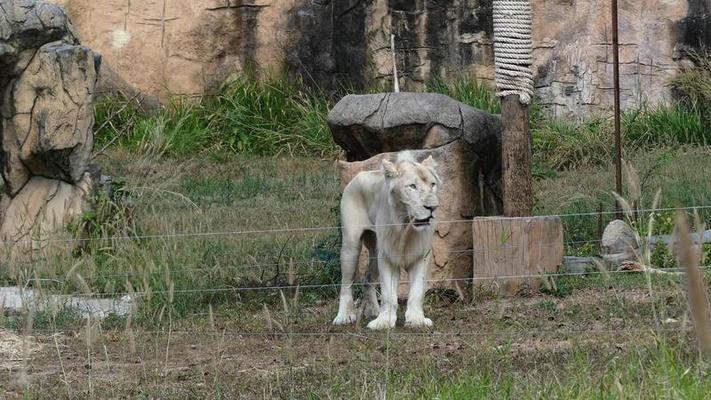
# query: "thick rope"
{"type": "Point", "coordinates": [513, 48]}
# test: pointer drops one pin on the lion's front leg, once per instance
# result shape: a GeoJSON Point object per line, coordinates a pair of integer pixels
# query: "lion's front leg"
{"type": "Point", "coordinates": [415, 315]}
{"type": "Point", "coordinates": [389, 281]}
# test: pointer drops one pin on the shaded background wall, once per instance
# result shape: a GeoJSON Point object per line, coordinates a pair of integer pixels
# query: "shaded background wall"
{"type": "Point", "coordinates": [189, 46]}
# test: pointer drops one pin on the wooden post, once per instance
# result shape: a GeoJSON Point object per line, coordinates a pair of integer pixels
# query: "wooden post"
{"type": "Point", "coordinates": [517, 250]}
{"type": "Point", "coordinates": [516, 159]}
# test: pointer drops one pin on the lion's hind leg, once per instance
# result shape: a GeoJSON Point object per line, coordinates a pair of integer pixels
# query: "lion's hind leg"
{"type": "Point", "coordinates": [353, 222]}
{"type": "Point", "coordinates": [371, 305]}
{"type": "Point", "coordinates": [350, 250]}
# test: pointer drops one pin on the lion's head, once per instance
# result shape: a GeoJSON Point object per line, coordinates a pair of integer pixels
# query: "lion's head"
{"type": "Point", "coordinates": [412, 189]}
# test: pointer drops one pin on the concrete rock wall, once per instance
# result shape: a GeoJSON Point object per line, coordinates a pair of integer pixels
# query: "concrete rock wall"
{"type": "Point", "coordinates": [573, 52]}
{"type": "Point", "coordinates": [47, 82]}
{"type": "Point", "coordinates": [182, 46]}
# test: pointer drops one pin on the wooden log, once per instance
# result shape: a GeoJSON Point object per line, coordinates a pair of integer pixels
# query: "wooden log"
{"type": "Point", "coordinates": [516, 157]}
{"type": "Point", "coordinates": [515, 251]}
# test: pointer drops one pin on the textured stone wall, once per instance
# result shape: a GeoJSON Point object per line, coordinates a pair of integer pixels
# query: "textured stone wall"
{"type": "Point", "coordinates": [47, 81]}
{"type": "Point", "coordinates": [573, 52]}
{"type": "Point", "coordinates": [181, 46]}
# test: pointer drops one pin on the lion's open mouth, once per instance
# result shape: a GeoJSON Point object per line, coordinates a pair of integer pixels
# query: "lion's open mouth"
{"type": "Point", "coordinates": [422, 222]}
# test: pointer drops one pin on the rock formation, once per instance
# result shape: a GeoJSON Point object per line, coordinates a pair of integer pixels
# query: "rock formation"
{"type": "Point", "coordinates": [465, 142]}
{"type": "Point", "coordinates": [47, 81]}
{"type": "Point", "coordinates": [190, 46]}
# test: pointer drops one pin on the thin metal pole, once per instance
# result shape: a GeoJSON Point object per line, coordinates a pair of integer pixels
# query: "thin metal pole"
{"type": "Point", "coordinates": [616, 83]}
{"type": "Point", "coordinates": [396, 83]}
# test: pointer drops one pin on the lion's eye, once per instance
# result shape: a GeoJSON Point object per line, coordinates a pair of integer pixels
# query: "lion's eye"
{"type": "Point", "coordinates": [434, 184]}
{"type": "Point", "coordinates": [413, 186]}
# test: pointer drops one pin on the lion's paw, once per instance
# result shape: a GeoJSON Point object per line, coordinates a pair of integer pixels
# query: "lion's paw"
{"type": "Point", "coordinates": [370, 310]}
{"type": "Point", "coordinates": [345, 318]}
{"type": "Point", "coordinates": [381, 323]}
{"type": "Point", "coordinates": [418, 322]}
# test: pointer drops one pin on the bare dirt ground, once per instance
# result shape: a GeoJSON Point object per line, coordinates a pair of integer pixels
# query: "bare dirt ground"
{"type": "Point", "coordinates": [588, 338]}
{"type": "Point", "coordinates": [298, 354]}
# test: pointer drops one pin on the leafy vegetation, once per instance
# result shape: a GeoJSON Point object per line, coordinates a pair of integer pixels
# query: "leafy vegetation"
{"type": "Point", "coordinates": [468, 91]}
{"type": "Point", "coordinates": [278, 115]}
{"type": "Point", "coordinates": [269, 116]}
{"type": "Point", "coordinates": [204, 229]}
{"type": "Point", "coordinates": [693, 85]}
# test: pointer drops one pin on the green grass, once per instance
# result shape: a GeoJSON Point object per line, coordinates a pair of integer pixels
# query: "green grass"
{"type": "Point", "coordinates": [210, 200]}
{"type": "Point", "coordinates": [277, 115]}
{"type": "Point", "coordinates": [270, 116]}
{"type": "Point", "coordinates": [468, 91]}
{"type": "Point", "coordinates": [681, 173]}
{"type": "Point", "coordinates": [200, 167]}
{"type": "Point", "coordinates": [658, 370]}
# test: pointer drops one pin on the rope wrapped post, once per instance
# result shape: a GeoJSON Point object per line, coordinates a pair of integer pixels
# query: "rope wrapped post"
{"type": "Point", "coordinates": [514, 83]}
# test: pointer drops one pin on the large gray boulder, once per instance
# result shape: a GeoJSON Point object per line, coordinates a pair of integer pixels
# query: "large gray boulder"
{"type": "Point", "coordinates": [47, 80]}
{"type": "Point", "coordinates": [465, 142]}
{"type": "Point", "coordinates": [370, 124]}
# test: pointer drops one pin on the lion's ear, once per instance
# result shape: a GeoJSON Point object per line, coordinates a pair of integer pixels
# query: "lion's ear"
{"type": "Point", "coordinates": [431, 165]}
{"type": "Point", "coordinates": [429, 162]}
{"type": "Point", "coordinates": [389, 169]}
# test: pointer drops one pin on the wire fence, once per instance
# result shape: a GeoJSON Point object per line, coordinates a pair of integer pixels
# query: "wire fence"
{"type": "Point", "coordinates": [174, 270]}
{"type": "Point", "coordinates": [286, 230]}
{"type": "Point", "coordinates": [186, 269]}
{"type": "Point", "coordinates": [280, 325]}
{"type": "Point", "coordinates": [137, 294]}
{"type": "Point", "coordinates": [400, 333]}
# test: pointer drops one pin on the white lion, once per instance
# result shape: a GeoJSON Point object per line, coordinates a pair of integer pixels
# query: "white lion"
{"type": "Point", "coordinates": [391, 211]}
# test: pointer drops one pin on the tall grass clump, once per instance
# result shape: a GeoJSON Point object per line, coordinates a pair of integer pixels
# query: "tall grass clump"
{"type": "Point", "coordinates": [562, 144]}
{"type": "Point", "coordinates": [693, 85]}
{"type": "Point", "coordinates": [179, 127]}
{"type": "Point", "coordinates": [469, 91]}
{"type": "Point", "coordinates": [270, 116]}
{"type": "Point", "coordinates": [665, 125]}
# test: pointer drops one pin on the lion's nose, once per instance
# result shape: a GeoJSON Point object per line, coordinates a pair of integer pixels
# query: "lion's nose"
{"type": "Point", "coordinates": [432, 208]}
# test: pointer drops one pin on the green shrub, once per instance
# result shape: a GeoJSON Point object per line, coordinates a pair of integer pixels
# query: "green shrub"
{"type": "Point", "coordinates": [469, 91]}
{"type": "Point", "coordinates": [664, 125]}
{"type": "Point", "coordinates": [562, 145]}
{"type": "Point", "coordinates": [250, 116]}
{"type": "Point", "coordinates": [693, 85]}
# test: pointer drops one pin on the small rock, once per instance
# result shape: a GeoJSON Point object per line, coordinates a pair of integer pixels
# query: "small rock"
{"type": "Point", "coordinates": [619, 243]}
{"type": "Point", "coordinates": [580, 265]}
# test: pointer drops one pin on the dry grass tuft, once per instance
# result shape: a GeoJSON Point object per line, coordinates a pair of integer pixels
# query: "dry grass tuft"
{"type": "Point", "coordinates": [689, 255]}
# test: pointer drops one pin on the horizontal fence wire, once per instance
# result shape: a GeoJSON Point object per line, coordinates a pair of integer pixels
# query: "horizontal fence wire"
{"type": "Point", "coordinates": [274, 231]}
{"type": "Point", "coordinates": [393, 332]}
{"type": "Point", "coordinates": [137, 294]}
{"type": "Point", "coordinates": [288, 262]}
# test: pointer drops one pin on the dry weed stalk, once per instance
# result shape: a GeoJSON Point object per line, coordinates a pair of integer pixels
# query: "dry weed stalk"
{"type": "Point", "coordinates": [698, 302]}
